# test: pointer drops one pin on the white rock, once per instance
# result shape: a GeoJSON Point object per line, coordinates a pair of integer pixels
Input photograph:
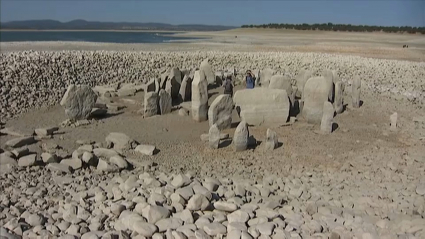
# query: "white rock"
{"type": "Point", "coordinates": [199, 97]}
{"type": "Point", "coordinates": [220, 112]}
{"type": "Point", "coordinates": [214, 229]}
{"type": "Point", "coordinates": [78, 101]}
{"type": "Point", "coordinates": [145, 149]}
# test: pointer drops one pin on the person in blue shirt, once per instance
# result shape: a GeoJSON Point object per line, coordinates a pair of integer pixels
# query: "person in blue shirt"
{"type": "Point", "coordinates": [250, 80]}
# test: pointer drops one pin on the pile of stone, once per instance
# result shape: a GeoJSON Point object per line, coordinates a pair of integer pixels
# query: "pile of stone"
{"type": "Point", "coordinates": [34, 79]}
{"type": "Point", "coordinates": [151, 203]}
{"type": "Point", "coordinates": [106, 157]}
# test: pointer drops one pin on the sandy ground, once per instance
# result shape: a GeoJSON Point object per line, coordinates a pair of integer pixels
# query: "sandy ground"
{"type": "Point", "coordinates": [375, 45]}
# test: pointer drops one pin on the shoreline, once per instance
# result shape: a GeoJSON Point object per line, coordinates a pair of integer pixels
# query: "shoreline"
{"type": "Point", "coordinates": [84, 30]}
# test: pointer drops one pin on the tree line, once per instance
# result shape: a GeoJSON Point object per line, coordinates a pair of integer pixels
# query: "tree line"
{"type": "Point", "coordinates": [341, 27]}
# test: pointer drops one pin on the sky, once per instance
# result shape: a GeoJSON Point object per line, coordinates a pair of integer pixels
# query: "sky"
{"type": "Point", "coordinates": [222, 12]}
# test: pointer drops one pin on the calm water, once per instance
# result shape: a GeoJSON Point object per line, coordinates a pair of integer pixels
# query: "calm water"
{"type": "Point", "coordinates": [87, 36]}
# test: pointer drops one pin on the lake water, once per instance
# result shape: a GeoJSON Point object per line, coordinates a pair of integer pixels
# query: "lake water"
{"type": "Point", "coordinates": [89, 36]}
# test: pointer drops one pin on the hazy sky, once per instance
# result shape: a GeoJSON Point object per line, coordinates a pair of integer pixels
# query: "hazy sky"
{"type": "Point", "coordinates": [222, 12]}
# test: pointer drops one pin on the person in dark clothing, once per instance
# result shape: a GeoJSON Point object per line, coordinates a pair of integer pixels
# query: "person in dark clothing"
{"type": "Point", "coordinates": [250, 80]}
{"type": "Point", "coordinates": [228, 85]}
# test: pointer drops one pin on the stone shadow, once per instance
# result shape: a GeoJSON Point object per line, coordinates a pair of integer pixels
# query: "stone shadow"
{"type": "Point", "coordinates": [225, 143]}
{"type": "Point", "coordinates": [335, 126]}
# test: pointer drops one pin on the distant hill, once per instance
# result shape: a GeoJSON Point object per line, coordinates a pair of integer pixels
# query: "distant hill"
{"type": "Point", "coordinates": [89, 25]}
{"type": "Point", "coordinates": [341, 27]}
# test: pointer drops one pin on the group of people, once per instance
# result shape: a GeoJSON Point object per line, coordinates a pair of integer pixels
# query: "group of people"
{"type": "Point", "coordinates": [229, 85]}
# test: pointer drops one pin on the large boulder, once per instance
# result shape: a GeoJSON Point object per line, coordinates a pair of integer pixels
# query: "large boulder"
{"type": "Point", "coordinates": [283, 82]}
{"type": "Point", "coordinates": [78, 101]}
{"type": "Point", "coordinates": [120, 141]}
{"type": "Point", "coordinates": [220, 112]}
{"type": "Point", "coordinates": [206, 70]}
{"type": "Point", "coordinates": [316, 92]}
{"type": "Point", "coordinates": [150, 104]}
{"type": "Point", "coordinates": [199, 97]}
{"type": "Point", "coordinates": [301, 79]}
{"type": "Point", "coordinates": [262, 106]}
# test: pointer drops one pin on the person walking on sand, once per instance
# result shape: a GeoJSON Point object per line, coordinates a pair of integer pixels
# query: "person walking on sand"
{"type": "Point", "coordinates": [250, 79]}
{"type": "Point", "coordinates": [228, 85]}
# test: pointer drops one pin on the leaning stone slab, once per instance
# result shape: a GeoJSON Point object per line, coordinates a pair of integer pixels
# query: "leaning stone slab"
{"type": "Point", "coordinates": [199, 97]}
{"type": "Point", "coordinates": [206, 70]}
{"type": "Point", "coordinates": [151, 104]}
{"type": "Point", "coordinates": [19, 142]}
{"type": "Point", "coordinates": [78, 101]}
{"type": "Point", "coordinates": [152, 86]}
{"type": "Point", "coordinates": [13, 132]}
{"type": "Point", "coordinates": [165, 102]}
{"type": "Point", "coordinates": [240, 138]}
{"type": "Point", "coordinates": [220, 112]}
{"type": "Point", "coordinates": [185, 91]}
{"type": "Point", "coordinates": [145, 149]}
{"type": "Point", "coordinates": [104, 153]}
{"type": "Point", "coordinates": [316, 92]}
{"type": "Point", "coordinates": [120, 141]}
{"type": "Point", "coordinates": [262, 106]}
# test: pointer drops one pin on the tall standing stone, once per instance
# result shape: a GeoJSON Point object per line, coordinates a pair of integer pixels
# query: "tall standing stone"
{"type": "Point", "coordinates": [164, 102]}
{"type": "Point", "coordinates": [316, 92]}
{"type": "Point", "coordinates": [199, 97]}
{"type": "Point", "coordinates": [265, 76]}
{"type": "Point", "coordinates": [355, 92]}
{"type": "Point", "coordinates": [78, 101]}
{"type": "Point", "coordinates": [301, 79]}
{"type": "Point", "coordinates": [152, 86]}
{"type": "Point", "coordinates": [151, 104]}
{"type": "Point", "coordinates": [329, 77]}
{"type": "Point", "coordinates": [206, 70]}
{"type": "Point", "coordinates": [271, 141]}
{"type": "Point", "coordinates": [214, 136]}
{"type": "Point", "coordinates": [220, 112]}
{"type": "Point", "coordinates": [185, 91]}
{"type": "Point", "coordinates": [240, 138]}
{"type": "Point", "coordinates": [283, 82]}
{"type": "Point", "coordinates": [327, 118]}
{"type": "Point", "coordinates": [174, 82]}
{"type": "Point", "coordinates": [339, 97]}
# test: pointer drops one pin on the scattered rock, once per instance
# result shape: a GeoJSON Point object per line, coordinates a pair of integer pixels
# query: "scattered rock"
{"type": "Point", "coordinates": [214, 137]}
{"type": "Point", "coordinates": [271, 141]}
{"type": "Point", "coordinates": [146, 149]}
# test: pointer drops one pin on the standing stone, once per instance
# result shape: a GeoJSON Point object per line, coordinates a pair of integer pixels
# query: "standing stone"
{"type": "Point", "coordinates": [271, 141]}
{"type": "Point", "coordinates": [265, 76]}
{"type": "Point", "coordinates": [393, 119]}
{"type": "Point", "coordinates": [355, 92]}
{"type": "Point", "coordinates": [199, 97]}
{"type": "Point", "coordinates": [301, 79]}
{"type": "Point", "coordinates": [78, 101]}
{"type": "Point", "coordinates": [185, 91]}
{"type": "Point", "coordinates": [151, 104]}
{"type": "Point", "coordinates": [214, 136]}
{"type": "Point", "coordinates": [164, 102]}
{"type": "Point", "coordinates": [240, 138]}
{"type": "Point", "coordinates": [329, 77]}
{"type": "Point", "coordinates": [316, 92]}
{"type": "Point", "coordinates": [152, 86]}
{"type": "Point", "coordinates": [339, 97]}
{"type": "Point", "coordinates": [262, 106]}
{"type": "Point", "coordinates": [174, 82]}
{"type": "Point", "coordinates": [206, 70]}
{"type": "Point", "coordinates": [282, 82]}
{"type": "Point", "coordinates": [327, 118]}
{"type": "Point", "coordinates": [220, 112]}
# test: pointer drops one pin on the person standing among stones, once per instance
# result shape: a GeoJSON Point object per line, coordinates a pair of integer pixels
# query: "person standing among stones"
{"type": "Point", "coordinates": [228, 85]}
{"type": "Point", "coordinates": [250, 79]}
